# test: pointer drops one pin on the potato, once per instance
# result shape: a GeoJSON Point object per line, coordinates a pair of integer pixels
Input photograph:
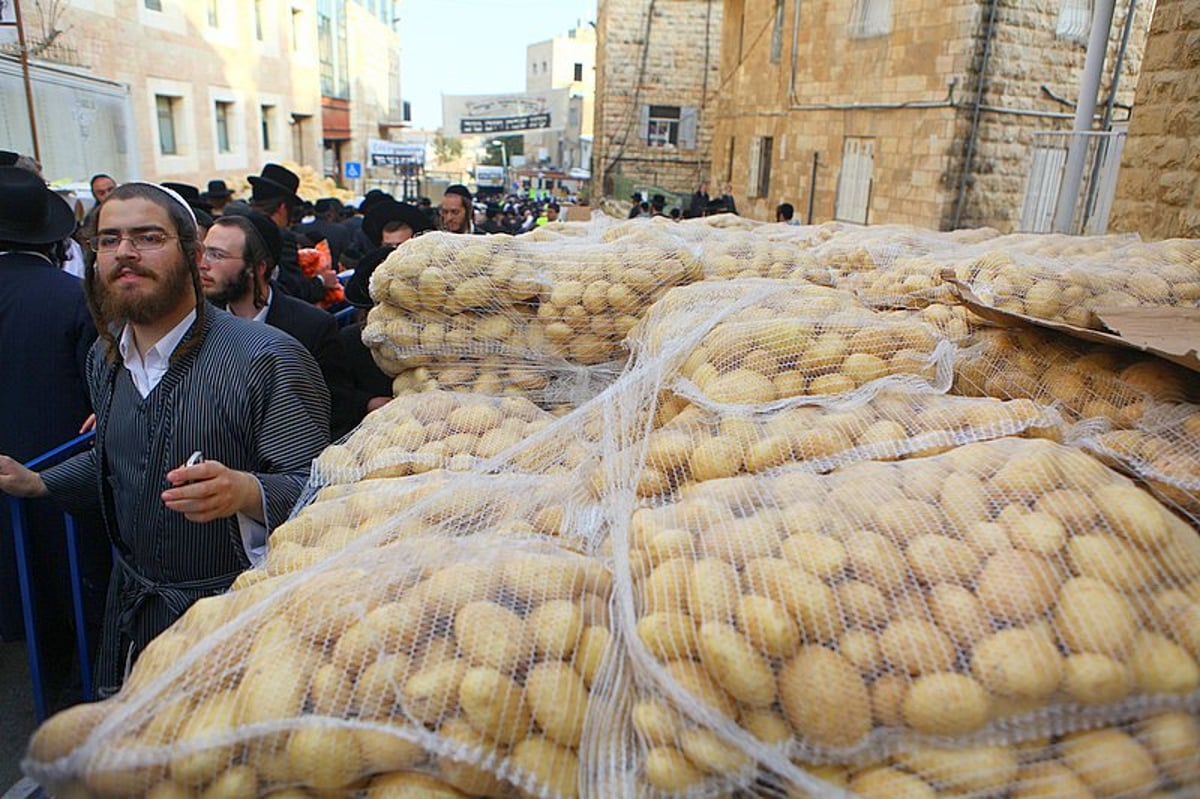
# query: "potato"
{"type": "Point", "coordinates": [669, 635]}
{"type": "Point", "coordinates": [735, 666]}
{"type": "Point", "coordinates": [716, 458]}
{"type": "Point", "coordinates": [890, 783]}
{"type": "Point", "coordinates": [863, 604]}
{"type": "Point", "coordinates": [1016, 586]}
{"type": "Point", "coordinates": [977, 769]}
{"type": "Point", "coordinates": [1035, 531]}
{"type": "Point", "coordinates": [695, 680]}
{"type": "Point", "coordinates": [887, 699]}
{"type": "Point", "coordinates": [555, 628]}
{"type": "Point", "coordinates": [197, 762]}
{"type": "Point", "coordinates": [1107, 558]}
{"type": "Point", "coordinates": [324, 758]}
{"type": "Point", "coordinates": [941, 559]}
{"type": "Point", "coordinates": [375, 690]}
{"type": "Point", "coordinates": [767, 626]}
{"type": "Point", "coordinates": [494, 705]}
{"type": "Point", "coordinates": [471, 779]}
{"type": "Point", "coordinates": [1133, 514]}
{"type": "Point", "coordinates": [382, 751]}
{"type": "Point", "coordinates": [902, 520]}
{"type": "Point", "coordinates": [1110, 762]}
{"type": "Point", "coordinates": [667, 769]}
{"type": "Point", "coordinates": [555, 768]}
{"type": "Point", "coordinates": [913, 646]}
{"type": "Point", "coordinates": [1019, 664]}
{"type": "Point", "coordinates": [490, 635]}
{"type": "Point", "coordinates": [819, 555]}
{"type": "Point", "coordinates": [236, 782]}
{"type": "Point", "coordinates": [1096, 679]}
{"type": "Point", "coordinates": [665, 589]}
{"type": "Point", "coordinates": [811, 602]}
{"type": "Point", "coordinates": [946, 703]}
{"type": "Point", "coordinates": [1092, 617]}
{"type": "Point", "coordinates": [1173, 740]}
{"type": "Point", "coordinates": [591, 651]}
{"type": "Point", "coordinates": [65, 731]}
{"type": "Point", "coordinates": [656, 723]}
{"type": "Point", "coordinates": [825, 698]}
{"type": "Point", "coordinates": [765, 725]}
{"type": "Point", "coordinates": [1161, 666]}
{"type": "Point", "coordinates": [876, 560]}
{"type": "Point", "coordinates": [712, 591]}
{"type": "Point", "coordinates": [706, 749]}
{"type": "Point", "coordinates": [959, 614]}
{"type": "Point", "coordinates": [861, 647]}
{"type": "Point", "coordinates": [410, 786]}
{"type": "Point", "coordinates": [432, 693]}
{"type": "Point", "coordinates": [1049, 781]}
{"type": "Point", "coordinates": [559, 700]}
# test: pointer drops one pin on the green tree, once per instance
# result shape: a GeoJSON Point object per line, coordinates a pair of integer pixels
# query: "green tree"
{"type": "Point", "coordinates": [446, 148]}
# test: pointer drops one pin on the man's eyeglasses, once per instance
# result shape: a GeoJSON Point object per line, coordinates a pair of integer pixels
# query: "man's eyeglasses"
{"type": "Point", "coordinates": [142, 241]}
{"type": "Point", "coordinates": [212, 255]}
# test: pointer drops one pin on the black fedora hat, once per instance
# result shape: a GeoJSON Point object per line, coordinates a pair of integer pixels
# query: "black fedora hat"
{"type": "Point", "coordinates": [217, 190]}
{"type": "Point", "coordinates": [358, 288]}
{"type": "Point", "coordinates": [190, 195]}
{"type": "Point", "coordinates": [275, 182]}
{"type": "Point", "coordinates": [30, 213]}
{"type": "Point", "coordinates": [391, 211]}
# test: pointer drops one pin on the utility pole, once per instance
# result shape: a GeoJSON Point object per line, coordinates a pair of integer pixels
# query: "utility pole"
{"type": "Point", "coordinates": [20, 26]}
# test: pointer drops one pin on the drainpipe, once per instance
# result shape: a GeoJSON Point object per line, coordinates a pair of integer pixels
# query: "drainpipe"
{"type": "Point", "coordinates": [1089, 87]}
{"type": "Point", "coordinates": [973, 137]}
{"type": "Point", "coordinates": [795, 47]}
{"type": "Point", "coordinates": [1106, 122]}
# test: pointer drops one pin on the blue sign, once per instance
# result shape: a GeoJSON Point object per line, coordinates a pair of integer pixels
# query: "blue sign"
{"type": "Point", "coordinates": [353, 169]}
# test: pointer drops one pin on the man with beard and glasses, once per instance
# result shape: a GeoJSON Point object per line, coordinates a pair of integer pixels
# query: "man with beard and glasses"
{"type": "Point", "coordinates": [240, 251]}
{"type": "Point", "coordinates": [169, 376]}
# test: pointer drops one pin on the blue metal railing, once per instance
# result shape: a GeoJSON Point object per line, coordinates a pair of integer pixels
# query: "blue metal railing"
{"type": "Point", "coordinates": [21, 542]}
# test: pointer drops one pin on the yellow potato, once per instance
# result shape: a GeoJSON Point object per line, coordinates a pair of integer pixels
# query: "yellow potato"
{"type": "Point", "coordinates": [493, 704]}
{"type": "Point", "coordinates": [655, 722]}
{"type": "Point", "coordinates": [941, 559]}
{"type": "Point", "coordinates": [471, 779]}
{"type": "Point", "coordinates": [1016, 586]}
{"type": "Point", "coordinates": [1110, 762]}
{"type": "Point", "coordinates": [861, 647]}
{"type": "Point", "coordinates": [767, 625]}
{"type": "Point", "coordinates": [669, 635]}
{"type": "Point", "coordinates": [765, 725]}
{"type": "Point", "coordinates": [735, 666]}
{"type": "Point", "coordinates": [1110, 559]}
{"type": "Point", "coordinates": [914, 646]}
{"type": "Point", "coordinates": [973, 770]}
{"type": "Point", "coordinates": [902, 520]}
{"type": "Point", "coordinates": [713, 755]}
{"type": "Point", "coordinates": [668, 770]}
{"type": "Point", "coordinates": [1018, 663]}
{"type": "Point", "coordinates": [65, 731]}
{"type": "Point", "coordinates": [432, 693]}
{"type": "Point", "coordinates": [1174, 742]}
{"type": "Point", "coordinates": [890, 783]}
{"type": "Point", "coordinates": [1161, 666]}
{"type": "Point", "coordinates": [959, 614]}
{"type": "Point", "coordinates": [559, 699]}
{"type": "Point", "coordinates": [1049, 781]}
{"type": "Point", "coordinates": [863, 604]}
{"type": "Point", "coordinates": [555, 768]}
{"type": "Point", "coordinates": [555, 628]}
{"type": "Point", "coordinates": [1133, 514]}
{"type": "Point", "coordinates": [825, 698]}
{"type": "Point", "coordinates": [1096, 679]}
{"type": "Point", "coordinates": [236, 782]}
{"type": "Point", "coordinates": [1092, 617]}
{"type": "Point", "coordinates": [665, 589]}
{"type": "Point", "coordinates": [820, 555]}
{"type": "Point", "coordinates": [589, 655]}
{"type": "Point", "coordinates": [876, 560]}
{"type": "Point", "coordinates": [409, 786]}
{"type": "Point", "coordinates": [1035, 531]}
{"type": "Point", "coordinates": [715, 458]}
{"type": "Point", "coordinates": [490, 635]}
{"type": "Point", "coordinates": [712, 590]}
{"type": "Point", "coordinates": [946, 703]}
{"type": "Point", "coordinates": [383, 751]}
{"type": "Point", "coordinates": [324, 758]}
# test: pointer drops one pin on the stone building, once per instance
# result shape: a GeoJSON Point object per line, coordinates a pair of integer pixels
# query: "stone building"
{"type": "Point", "coordinates": [1158, 193]}
{"type": "Point", "coordinates": [657, 80]}
{"type": "Point", "coordinates": [564, 62]}
{"type": "Point", "coordinates": [208, 88]}
{"type": "Point", "coordinates": [902, 111]}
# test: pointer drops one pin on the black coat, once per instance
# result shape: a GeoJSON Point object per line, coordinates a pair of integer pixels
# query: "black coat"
{"type": "Point", "coordinates": [367, 379]}
{"type": "Point", "coordinates": [317, 330]}
{"type": "Point", "coordinates": [291, 277]}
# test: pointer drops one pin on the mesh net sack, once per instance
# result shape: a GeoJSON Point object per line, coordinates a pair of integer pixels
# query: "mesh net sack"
{"type": "Point", "coordinates": [1001, 591]}
{"type": "Point", "coordinates": [471, 664]}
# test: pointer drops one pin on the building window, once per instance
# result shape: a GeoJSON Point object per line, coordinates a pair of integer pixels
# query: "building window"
{"type": "Point", "coordinates": [663, 126]}
{"type": "Point", "coordinates": [578, 71]}
{"type": "Point", "coordinates": [1074, 21]}
{"type": "Point", "coordinates": [268, 123]}
{"type": "Point", "coordinates": [153, 5]}
{"type": "Point", "coordinates": [533, 68]}
{"type": "Point", "coordinates": [544, 69]}
{"type": "Point", "coordinates": [760, 166]}
{"type": "Point", "coordinates": [729, 161]}
{"type": "Point", "coordinates": [223, 112]}
{"type": "Point", "coordinates": [258, 20]}
{"type": "Point", "coordinates": [853, 199]}
{"type": "Point", "coordinates": [777, 34]}
{"type": "Point", "coordinates": [214, 18]}
{"type": "Point", "coordinates": [166, 107]}
{"type": "Point", "coordinates": [297, 26]}
{"type": "Point", "coordinates": [871, 18]}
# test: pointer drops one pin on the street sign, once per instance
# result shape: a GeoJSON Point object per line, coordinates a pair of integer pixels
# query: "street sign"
{"type": "Point", "coordinates": [353, 169]}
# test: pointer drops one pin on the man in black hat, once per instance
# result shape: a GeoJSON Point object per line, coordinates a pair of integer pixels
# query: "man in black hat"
{"type": "Point", "coordinates": [457, 209]}
{"type": "Point", "coordinates": [240, 252]}
{"type": "Point", "coordinates": [370, 386]}
{"type": "Point", "coordinates": [328, 227]}
{"type": "Point", "coordinates": [390, 223]}
{"type": "Point", "coordinates": [47, 331]}
{"type": "Point", "coordinates": [200, 207]}
{"type": "Point", "coordinates": [217, 195]}
{"type": "Point", "coordinates": [273, 194]}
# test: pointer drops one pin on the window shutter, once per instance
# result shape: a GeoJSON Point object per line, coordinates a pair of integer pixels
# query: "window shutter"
{"type": "Point", "coordinates": [1074, 20]}
{"type": "Point", "coordinates": [644, 124]}
{"type": "Point", "coordinates": [755, 157]}
{"type": "Point", "coordinates": [687, 127]}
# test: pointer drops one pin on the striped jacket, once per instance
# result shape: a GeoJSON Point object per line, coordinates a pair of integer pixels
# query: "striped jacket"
{"type": "Point", "coordinates": [250, 397]}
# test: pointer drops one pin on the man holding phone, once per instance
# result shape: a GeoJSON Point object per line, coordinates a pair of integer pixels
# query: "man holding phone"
{"type": "Point", "coordinates": [172, 375]}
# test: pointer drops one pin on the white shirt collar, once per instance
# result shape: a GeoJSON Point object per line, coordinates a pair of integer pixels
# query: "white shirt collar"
{"type": "Point", "coordinates": [261, 316]}
{"type": "Point", "coordinates": [147, 372]}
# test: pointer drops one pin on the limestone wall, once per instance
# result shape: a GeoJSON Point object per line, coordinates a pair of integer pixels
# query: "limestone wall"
{"type": "Point", "coordinates": [1158, 191]}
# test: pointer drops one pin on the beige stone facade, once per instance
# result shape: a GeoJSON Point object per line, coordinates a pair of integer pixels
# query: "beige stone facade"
{"type": "Point", "coordinates": [217, 88]}
{"type": "Point", "coordinates": [878, 98]}
{"type": "Point", "coordinates": [1158, 193]}
{"type": "Point", "coordinates": [655, 56]}
{"type": "Point", "coordinates": [564, 62]}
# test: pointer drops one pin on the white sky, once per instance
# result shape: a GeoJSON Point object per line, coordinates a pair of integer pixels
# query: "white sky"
{"type": "Point", "coordinates": [474, 46]}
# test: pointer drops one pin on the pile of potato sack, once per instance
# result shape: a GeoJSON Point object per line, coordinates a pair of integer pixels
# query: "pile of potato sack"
{"type": "Point", "coordinates": [711, 509]}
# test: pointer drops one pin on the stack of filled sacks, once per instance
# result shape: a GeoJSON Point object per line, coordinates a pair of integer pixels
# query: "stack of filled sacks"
{"type": "Point", "coordinates": [497, 314]}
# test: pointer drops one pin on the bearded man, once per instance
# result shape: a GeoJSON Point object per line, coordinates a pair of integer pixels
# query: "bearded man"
{"type": "Point", "coordinates": [170, 376]}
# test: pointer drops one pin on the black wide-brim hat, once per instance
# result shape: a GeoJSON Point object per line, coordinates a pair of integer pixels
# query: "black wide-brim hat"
{"type": "Point", "coordinates": [191, 195]}
{"type": "Point", "coordinates": [275, 182]}
{"type": "Point", "coordinates": [358, 288]}
{"type": "Point", "coordinates": [30, 213]}
{"type": "Point", "coordinates": [391, 211]}
{"type": "Point", "coordinates": [217, 190]}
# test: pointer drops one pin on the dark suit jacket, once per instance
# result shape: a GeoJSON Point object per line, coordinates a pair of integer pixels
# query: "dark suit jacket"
{"type": "Point", "coordinates": [317, 330]}
{"type": "Point", "coordinates": [291, 277]}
